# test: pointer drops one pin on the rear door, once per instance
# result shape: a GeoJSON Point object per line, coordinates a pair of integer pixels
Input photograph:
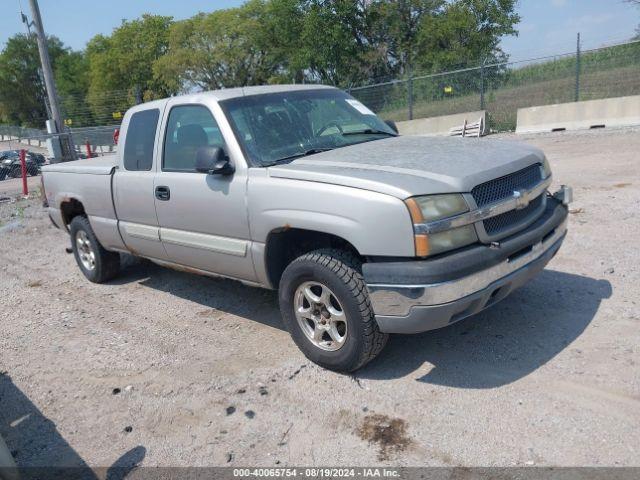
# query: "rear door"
{"type": "Point", "coordinates": [133, 189]}
{"type": "Point", "coordinates": [203, 218]}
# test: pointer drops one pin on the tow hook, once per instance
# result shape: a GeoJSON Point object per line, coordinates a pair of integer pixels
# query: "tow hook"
{"type": "Point", "coordinates": [565, 195]}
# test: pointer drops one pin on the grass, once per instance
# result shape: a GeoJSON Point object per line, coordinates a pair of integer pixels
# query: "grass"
{"type": "Point", "coordinates": [613, 72]}
{"type": "Point", "coordinates": [20, 211]}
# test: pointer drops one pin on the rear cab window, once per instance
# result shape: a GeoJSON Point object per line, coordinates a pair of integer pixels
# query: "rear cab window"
{"type": "Point", "coordinates": [140, 139]}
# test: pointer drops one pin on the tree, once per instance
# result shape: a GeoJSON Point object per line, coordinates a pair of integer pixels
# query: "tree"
{"type": "Point", "coordinates": [466, 33]}
{"type": "Point", "coordinates": [279, 34]}
{"type": "Point", "coordinates": [272, 41]}
{"type": "Point", "coordinates": [331, 46]}
{"type": "Point", "coordinates": [328, 41]}
{"type": "Point", "coordinates": [22, 93]}
{"type": "Point", "coordinates": [215, 50]}
{"type": "Point", "coordinates": [399, 25]}
{"type": "Point", "coordinates": [72, 80]}
{"type": "Point", "coordinates": [121, 65]}
{"type": "Point", "coordinates": [337, 42]}
{"type": "Point", "coordinates": [637, 3]}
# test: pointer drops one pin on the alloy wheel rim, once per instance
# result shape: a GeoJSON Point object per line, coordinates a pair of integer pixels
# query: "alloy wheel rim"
{"type": "Point", "coordinates": [320, 316]}
{"type": "Point", "coordinates": [85, 250]}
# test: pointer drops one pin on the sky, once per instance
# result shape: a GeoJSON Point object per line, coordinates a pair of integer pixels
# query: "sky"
{"type": "Point", "coordinates": [547, 27]}
{"type": "Point", "coordinates": [550, 27]}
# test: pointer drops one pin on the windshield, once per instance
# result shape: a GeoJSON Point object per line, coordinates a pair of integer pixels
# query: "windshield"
{"type": "Point", "coordinates": [279, 127]}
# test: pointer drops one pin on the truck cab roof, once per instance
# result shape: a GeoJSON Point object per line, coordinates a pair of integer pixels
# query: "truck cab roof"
{"type": "Point", "coordinates": [228, 93]}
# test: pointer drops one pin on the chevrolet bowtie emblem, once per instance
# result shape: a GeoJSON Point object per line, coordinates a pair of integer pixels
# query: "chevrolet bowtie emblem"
{"type": "Point", "coordinates": [522, 199]}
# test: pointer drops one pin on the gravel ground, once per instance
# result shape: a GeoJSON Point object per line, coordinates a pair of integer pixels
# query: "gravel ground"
{"type": "Point", "coordinates": [164, 368]}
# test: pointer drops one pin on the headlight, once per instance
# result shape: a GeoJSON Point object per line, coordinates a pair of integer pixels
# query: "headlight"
{"type": "Point", "coordinates": [546, 168]}
{"type": "Point", "coordinates": [436, 207]}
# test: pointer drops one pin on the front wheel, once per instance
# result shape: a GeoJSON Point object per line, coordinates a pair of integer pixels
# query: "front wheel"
{"type": "Point", "coordinates": [96, 263]}
{"type": "Point", "coordinates": [326, 308]}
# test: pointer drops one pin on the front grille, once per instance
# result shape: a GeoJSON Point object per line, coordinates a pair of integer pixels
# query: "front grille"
{"type": "Point", "coordinates": [503, 187]}
{"type": "Point", "coordinates": [500, 223]}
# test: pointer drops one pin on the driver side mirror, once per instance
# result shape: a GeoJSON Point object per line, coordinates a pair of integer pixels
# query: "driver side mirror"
{"type": "Point", "coordinates": [392, 125]}
{"type": "Point", "coordinates": [213, 161]}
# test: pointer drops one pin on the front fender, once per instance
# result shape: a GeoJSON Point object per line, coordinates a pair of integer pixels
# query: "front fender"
{"type": "Point", "coordinates": [374, 223]}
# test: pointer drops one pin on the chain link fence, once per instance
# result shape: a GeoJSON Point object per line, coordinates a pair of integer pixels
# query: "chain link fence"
{"type": "Point", "coordinates": [503, 88]}
{"type": "Point", "coordinates": [88, 141]}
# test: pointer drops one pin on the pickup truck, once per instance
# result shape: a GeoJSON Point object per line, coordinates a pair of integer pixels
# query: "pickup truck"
{"type": "Point", "coordinates": [303, 189]}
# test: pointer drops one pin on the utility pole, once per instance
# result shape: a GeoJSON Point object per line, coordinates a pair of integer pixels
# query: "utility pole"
{"type": "Point", "coordinates": [410, 90]}
{"type": "Point", "coordinates": [577, 95]}
{"type": "Point", "coordinates": [68, 152]}
{"type": "Point", "coordinates": [484, 61]}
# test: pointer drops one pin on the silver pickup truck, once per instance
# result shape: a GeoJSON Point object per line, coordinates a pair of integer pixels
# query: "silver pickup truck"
{"type": "Point", "coordinates": [303, 189]}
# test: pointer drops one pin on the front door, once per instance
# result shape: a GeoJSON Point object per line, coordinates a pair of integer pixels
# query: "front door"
{"type": "Point", "coordinates": [203, 218]}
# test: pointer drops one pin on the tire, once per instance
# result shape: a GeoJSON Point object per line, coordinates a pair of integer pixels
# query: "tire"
{"type": "Point", "coordinates": [96, 263]}
{"type": "Point", "coordinates": [340, 273]}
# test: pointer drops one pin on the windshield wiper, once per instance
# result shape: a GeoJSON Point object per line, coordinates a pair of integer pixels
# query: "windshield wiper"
{"type": "Point", "coordinates": [369, 131]}
{"type": "Point", "coordinates": [298, 155]}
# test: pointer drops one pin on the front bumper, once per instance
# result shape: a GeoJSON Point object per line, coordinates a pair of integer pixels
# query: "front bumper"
{"type": "Point", "coordinates": [416, 296]}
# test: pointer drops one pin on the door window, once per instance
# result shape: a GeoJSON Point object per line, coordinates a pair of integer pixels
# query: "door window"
{"type": "Point", "coordinates": [189, 128]}
{"type": "Point", "coordinates": [141, 135]}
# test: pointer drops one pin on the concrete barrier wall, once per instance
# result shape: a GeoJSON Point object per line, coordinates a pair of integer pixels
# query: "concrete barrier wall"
{"type": "Point", "coordinates": [609, 112]}
{"type": "Point", "coordinates": [440, 125]}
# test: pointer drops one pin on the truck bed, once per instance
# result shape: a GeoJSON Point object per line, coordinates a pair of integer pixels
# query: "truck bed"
{"type": "Point", "coordinates": [90, 183]}
{"type": "Point", "coordinates": [92, 166]}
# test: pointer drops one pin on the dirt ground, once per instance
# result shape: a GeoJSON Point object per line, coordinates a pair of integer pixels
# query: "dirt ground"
{"type": "Point", "coordinates": [163, 368]}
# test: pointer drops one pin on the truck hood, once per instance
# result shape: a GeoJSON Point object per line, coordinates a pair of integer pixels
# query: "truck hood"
{"type": "Point", "coordinates": [405, 166]}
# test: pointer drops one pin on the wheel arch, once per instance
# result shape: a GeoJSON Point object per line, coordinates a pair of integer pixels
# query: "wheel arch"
{"type": "Point", "coordinates": [283, 245]}
{"type": "Point", "coordinates": [71, 207]}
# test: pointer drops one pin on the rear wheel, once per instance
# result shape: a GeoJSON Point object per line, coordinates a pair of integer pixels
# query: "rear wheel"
{"type": "Point", "coordinates": [326, 308]}
{"type": "Point", "coordinates": [96, 263]}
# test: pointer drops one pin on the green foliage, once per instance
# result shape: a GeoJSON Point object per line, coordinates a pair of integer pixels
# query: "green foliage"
{"type": "Point", "coordinates": [401, 27]}
{"type": "Point", "coordinates": [72, 80]}
{"type": "Point", "coordinates": [598, 60]}
{"type": "Point", "coordinates": [344, 42]}
{"type": "Point", "coordinates": [282, 22]}
{"type": "Point", "coordinates": [121, 65]}
{"type": "Point", "coordinates": [216, 50]}
{"type": "Point", "coordinates": [467, 33]}
{"type": "Point", "coordinates": [604, 73]}
{"type": "Point", "coordinates": [21, 88]}
{"type": "Point", "coordinates": [338, 42]}
{"type": "Point", "coordinates": [331, 46]}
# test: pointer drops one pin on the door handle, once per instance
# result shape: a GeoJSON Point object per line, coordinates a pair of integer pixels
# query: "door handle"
{"type": "Point", "coordinates": [163, 193]}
